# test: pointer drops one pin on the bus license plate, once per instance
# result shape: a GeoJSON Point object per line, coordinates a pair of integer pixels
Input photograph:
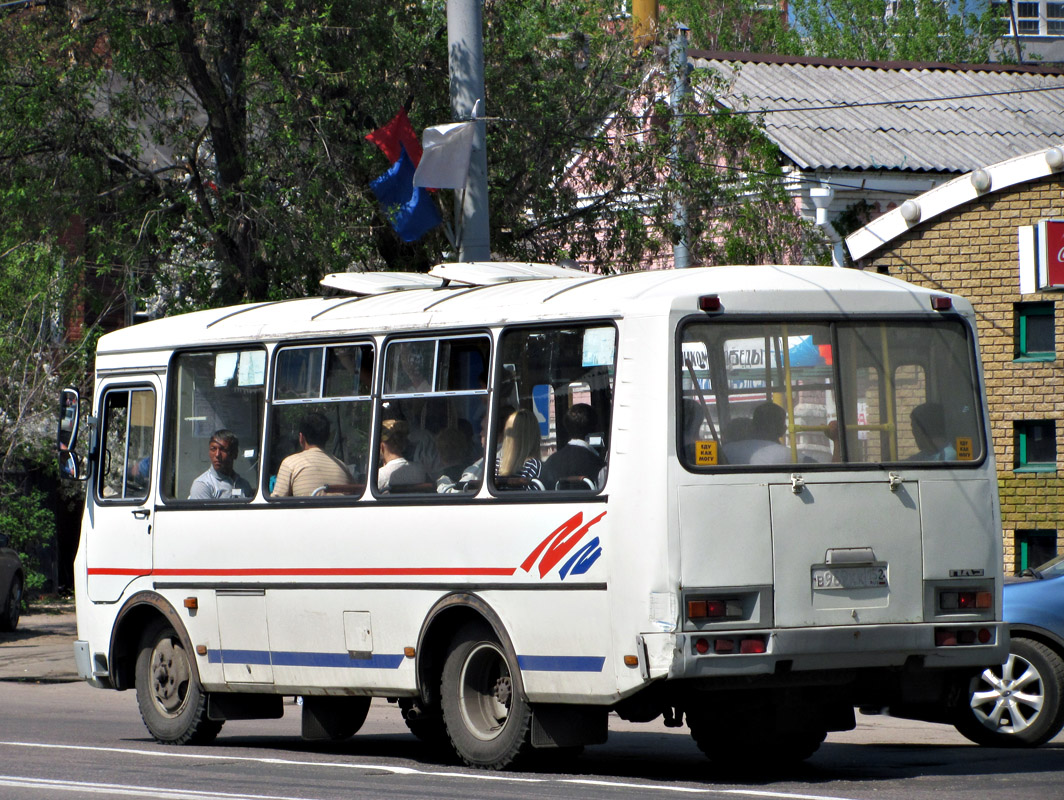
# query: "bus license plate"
{"type": "Point", "coordinates": [849, 577]}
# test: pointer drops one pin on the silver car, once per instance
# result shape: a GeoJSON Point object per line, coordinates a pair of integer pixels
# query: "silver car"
{"type": "Point", "coordinates": [12, 579]}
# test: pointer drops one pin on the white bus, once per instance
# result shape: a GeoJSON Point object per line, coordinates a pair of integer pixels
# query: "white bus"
{"type": "Point", "coordinates": [755, 498]}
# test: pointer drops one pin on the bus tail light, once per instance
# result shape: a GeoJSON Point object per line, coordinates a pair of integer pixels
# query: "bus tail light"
{"type": "Point", "coordinates": [965, 601]}
{"type": "Point", "coordinates": [715, 609]}
{"type": "Point", "coordinates": [709, 303]}
{"type": "Point", "coordinates": [753, 644]}
{"type": "Point", "coordinates": [940, 302]}
{"type": "Point", "coordinates": [954, 637]}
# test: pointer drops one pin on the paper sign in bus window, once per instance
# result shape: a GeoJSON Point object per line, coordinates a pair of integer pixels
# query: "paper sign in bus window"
{"type": "Point", "coordinates": [706, 453]}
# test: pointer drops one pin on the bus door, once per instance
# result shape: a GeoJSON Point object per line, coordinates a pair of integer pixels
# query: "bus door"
{"type": "Point", "coordinates": [845, 553]}
{"type": "Point", "coordinates": [118, 537]}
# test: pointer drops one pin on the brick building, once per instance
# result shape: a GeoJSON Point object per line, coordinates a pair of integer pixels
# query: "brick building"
{"type": "Point", "coordinates": [983, 235]}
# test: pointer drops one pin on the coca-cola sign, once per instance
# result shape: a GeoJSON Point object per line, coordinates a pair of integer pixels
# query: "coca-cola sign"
{"type": "Point", "coordinates": [1051, 254]}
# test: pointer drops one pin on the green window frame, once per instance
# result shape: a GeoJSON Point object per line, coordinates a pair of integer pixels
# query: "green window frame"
{"type": "Point", "coordinates": [1035, 446]}
{"type": "Point", "coordinates": [1035, 332]}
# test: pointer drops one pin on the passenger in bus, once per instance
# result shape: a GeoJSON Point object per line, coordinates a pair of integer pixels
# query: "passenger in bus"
{"type": "Point", "coordinates": [576, 458]}
{"type": "Point", "coordinates": [310, 467]}
{"type": "Point", "coordinates": [929, 430]}
{"type": "Point", "coordinates": [220, 481]}
{"type": "Point", "coordinates": [767, 426]}
{"type": "Point", "coordinates": [519, 457]}
{"type": "Point", "coordinates": [395, 470]}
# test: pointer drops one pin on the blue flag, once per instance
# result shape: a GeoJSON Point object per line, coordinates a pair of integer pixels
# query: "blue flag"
{"type": "Point", "coordinates": [411, 211]}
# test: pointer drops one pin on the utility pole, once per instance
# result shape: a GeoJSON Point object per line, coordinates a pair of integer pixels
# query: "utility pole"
{"type": "Point", "coordinates": [465, 46]}
{"type": "Point", "coordinates": [681, 255]}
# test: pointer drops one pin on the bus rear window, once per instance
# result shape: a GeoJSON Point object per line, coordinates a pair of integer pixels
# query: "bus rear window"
{"type": "Point", "coordinates": [786, 393]}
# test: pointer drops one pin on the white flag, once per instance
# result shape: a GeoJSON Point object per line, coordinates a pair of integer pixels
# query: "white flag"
{"type": "Point", "coordinates": [445, 162]}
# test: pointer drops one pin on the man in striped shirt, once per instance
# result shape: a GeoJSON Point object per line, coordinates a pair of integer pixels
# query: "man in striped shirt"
{"type": "Point", "coordinates": [310, 468]}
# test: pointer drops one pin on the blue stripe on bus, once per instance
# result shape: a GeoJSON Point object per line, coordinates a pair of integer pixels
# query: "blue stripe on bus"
{"type": "Point", "coordinates": [561, 663]}
{"type": "Point", "coordinates": [297, 659]}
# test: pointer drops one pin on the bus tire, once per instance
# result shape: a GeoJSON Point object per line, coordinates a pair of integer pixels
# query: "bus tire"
{"type": "Point", "coordinates": [1018, 703]}
{"type": "Point", "coordinates": [486, 716]}
{"type": "Point", "coordinates": [750, 747]}
{"type": "Point", "coordinates": [172, 703]}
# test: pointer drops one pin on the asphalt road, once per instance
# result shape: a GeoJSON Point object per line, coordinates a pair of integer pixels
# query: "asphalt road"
{"type": "Point", "coordinates": [62, 739]}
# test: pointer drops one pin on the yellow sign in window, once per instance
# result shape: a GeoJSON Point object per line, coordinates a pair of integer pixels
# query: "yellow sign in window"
{"type": "Point", "coordinates": [965, 451]}
{"type": "Point", "coordinates": [706, 453]}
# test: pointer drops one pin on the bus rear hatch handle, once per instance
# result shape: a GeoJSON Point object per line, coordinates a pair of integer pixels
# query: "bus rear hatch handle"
{"type": "Point", "coordinates": [797, 483]}
{"type": "Point", "coordinates": [895, 481]}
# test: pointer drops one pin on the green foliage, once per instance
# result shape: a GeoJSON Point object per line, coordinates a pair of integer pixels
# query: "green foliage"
{"type": "Point", "coordinates": [30, 527]}
{"type": "Point", "coordinates": [918, 30]}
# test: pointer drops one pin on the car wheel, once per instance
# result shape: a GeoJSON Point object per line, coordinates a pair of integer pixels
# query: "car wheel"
{"type": "Point", "coordinates": [486, 716]}
{"type": "Point", "coordinates": [13, 607]}
{"type": "Point", "coordinates": [172, 703]}
{"type": "Point", "coordinates": [1016, 704]}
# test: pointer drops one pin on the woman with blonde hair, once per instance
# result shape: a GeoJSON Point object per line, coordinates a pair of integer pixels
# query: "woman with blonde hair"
{"type": "Point", "coordinates": [520, 447]}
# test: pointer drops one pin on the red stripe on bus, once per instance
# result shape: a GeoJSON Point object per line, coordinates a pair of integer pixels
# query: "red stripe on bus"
{"type": "Point", "coordinates": [365, 571]}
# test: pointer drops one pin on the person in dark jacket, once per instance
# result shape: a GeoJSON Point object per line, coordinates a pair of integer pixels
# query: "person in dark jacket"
{"type": "Point", "coordinates": [576, 458]}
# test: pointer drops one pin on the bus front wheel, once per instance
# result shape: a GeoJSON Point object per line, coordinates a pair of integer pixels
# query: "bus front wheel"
{"type": "Point", "coordinates": [486, 716]}
{"type": "Point", "coordinates": [172, 703]}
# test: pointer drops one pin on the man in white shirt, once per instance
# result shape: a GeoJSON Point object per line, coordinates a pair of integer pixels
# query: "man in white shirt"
{"type": "Point", "coordinates": [220, 481]}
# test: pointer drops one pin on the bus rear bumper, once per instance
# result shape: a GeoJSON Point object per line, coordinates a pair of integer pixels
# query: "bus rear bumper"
{"type": "Point", "coordinates": [775, 651]}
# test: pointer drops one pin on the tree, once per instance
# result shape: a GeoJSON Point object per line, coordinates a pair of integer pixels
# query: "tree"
{"type": "Point", "coordinates": [948, 31]}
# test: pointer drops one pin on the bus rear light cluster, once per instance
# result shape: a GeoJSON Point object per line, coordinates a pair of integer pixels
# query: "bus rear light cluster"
{"type": "Point", "coordinates": [725, 645]}
{"type": "Point", "coordinates": [964, 601]}
{"type": "Point", "coordinates": [954, 637]}
{"type": "Point", "coordinates": [715, 609]}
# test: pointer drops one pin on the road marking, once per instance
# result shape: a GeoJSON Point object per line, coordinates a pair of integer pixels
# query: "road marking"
{"type": "Point", "coordinates": [394, 770]}
{"type": "Point", "coordinates": [126, 790]}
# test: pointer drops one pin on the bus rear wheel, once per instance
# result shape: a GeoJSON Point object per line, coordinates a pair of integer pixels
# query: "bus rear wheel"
{"type": "Point", "coordinates": [172, 703]}
{"type": "Point", "coordinates": [764, 748]}
{"type": "Point", "coordinates": [486, 716]}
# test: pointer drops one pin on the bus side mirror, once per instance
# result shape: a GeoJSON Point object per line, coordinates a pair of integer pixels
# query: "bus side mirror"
{"type": "Point", "coordinates": [69, 415]}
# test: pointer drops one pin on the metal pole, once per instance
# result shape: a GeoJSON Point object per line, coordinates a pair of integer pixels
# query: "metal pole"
{"type": "Point", "coordinates": [681, 255]}
{"type": "Point", "coordinates": [465, 44]}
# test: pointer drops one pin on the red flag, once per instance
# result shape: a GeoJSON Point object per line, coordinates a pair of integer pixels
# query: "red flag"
{"type": "Point", "coordinates": [395, 135]}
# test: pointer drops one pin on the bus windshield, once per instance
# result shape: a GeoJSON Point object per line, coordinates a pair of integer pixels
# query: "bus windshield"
{"type": "Point", "coordinates": [855, 392]}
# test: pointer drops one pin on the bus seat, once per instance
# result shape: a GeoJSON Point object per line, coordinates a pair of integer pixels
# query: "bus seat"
{"type": "Point", "coordinates": [575, 482]}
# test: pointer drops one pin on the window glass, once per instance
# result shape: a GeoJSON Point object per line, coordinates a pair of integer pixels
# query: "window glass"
{"type": "Point", "coordinates": [432, 412]}
{"type": "Point", "coordinates": [553, 409]}
{"type": "Point", "coordinates": [1034, 548]}
{"type": "Point", "coordinates": [1035, 334]}
{"type": "Point", "coordinates": [1036, 445]}
{"type": "Point", "coordinates": [128, 434]}
{"type": "Point", "coordinates": [781, 393]}
{"type": "Point", "coordinates": [320, 434]}
{"type": "Point", "coordinates": [214, 425]}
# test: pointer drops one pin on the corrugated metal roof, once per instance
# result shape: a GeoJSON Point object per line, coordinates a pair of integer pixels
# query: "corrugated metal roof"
{"type": "Point", "coordinates": [862, 116]}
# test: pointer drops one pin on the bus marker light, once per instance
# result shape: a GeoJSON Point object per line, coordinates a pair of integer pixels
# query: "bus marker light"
{"type": "Point", "coordinates": [752, 646]}
{"type": "Point", "coordinates": [409, 652]}
{"type": "Point", "coordinates": [631, 661]}
{"type": "Point", "coordinates": [709, 302]}
{"type": "Point", "coordinates": [723, 646]}
{"type": "Point", "coordinates": [701, 646]}
{"type": "Point", "coordinates": [201, 649]}
{"type": "Point", "coordinates": [191, 603]}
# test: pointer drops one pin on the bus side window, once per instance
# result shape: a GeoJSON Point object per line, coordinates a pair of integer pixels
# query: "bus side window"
{"type": "Point", "coordinates": [433, 409]}
{"type": "Point", "coordinates": [320, 421]}
{"type": "Point", "coordinates": [214, 425]}
{"type": "Point", "coordinates": [554, 413]}
{"type": "Point", "coordinates": [128, 434]}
